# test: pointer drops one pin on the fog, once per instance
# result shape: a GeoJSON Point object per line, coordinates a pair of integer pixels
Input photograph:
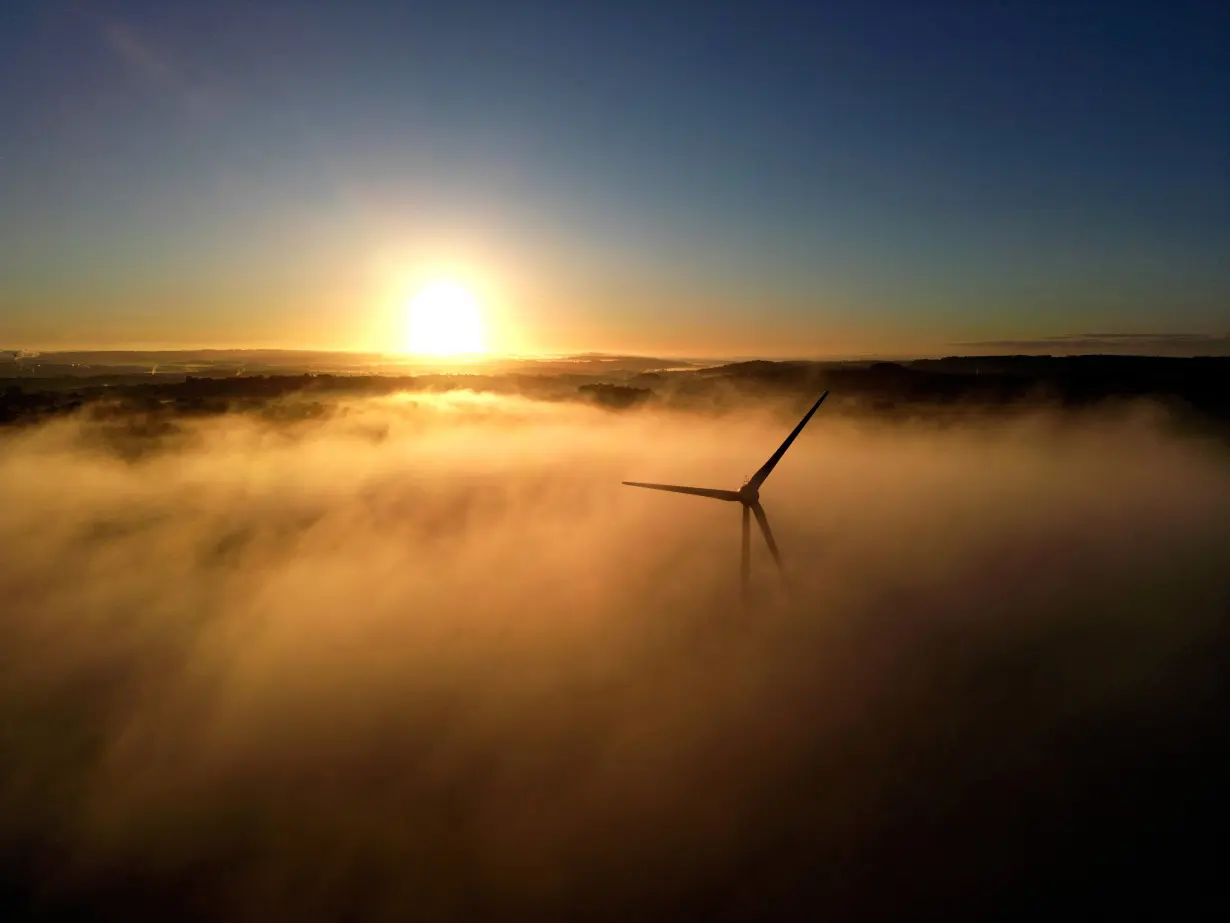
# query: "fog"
{"type": "Point", "coordinates": [423, 657]}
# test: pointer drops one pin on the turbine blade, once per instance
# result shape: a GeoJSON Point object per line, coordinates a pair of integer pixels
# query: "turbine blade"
{"type": "Point", "coordinates": [698, 491]}
{"type": "Point", "coordinates": [767, 468]}
{"type": "Point", "coordinates": [763, 519]}
{"type": "Point", "coordinates": [745, 567]}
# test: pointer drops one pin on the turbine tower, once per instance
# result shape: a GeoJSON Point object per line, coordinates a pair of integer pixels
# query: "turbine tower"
{"type": "Point", "coordinates": [749, 496]}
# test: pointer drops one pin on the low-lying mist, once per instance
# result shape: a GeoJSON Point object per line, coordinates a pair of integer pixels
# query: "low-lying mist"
{"type": "Point", "coordinates": [422, 657]}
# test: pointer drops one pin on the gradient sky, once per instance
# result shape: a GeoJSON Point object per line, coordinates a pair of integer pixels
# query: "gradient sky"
{"type": "Point", "coordinates": [705, 179]}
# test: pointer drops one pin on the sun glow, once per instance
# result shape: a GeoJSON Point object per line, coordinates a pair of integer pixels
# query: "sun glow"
{"type": "Point", "coordinates": [444, 319]}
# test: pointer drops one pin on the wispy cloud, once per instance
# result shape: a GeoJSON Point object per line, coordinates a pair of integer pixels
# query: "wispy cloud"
{"type": "Point", "coordinates": [138, 55]}
{"type": "Point", "coordinates": [153, 65]}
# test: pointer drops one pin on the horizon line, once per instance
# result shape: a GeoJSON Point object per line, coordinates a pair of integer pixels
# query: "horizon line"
{"type": "Point", "coordinates": [395, 359]}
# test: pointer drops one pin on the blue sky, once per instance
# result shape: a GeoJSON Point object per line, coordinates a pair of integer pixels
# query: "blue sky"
{"type": "Point", "coordinates": [804, 178]}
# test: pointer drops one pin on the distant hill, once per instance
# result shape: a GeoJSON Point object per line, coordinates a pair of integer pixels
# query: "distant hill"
{"type": "Point", "coordinates": [1196, 387]}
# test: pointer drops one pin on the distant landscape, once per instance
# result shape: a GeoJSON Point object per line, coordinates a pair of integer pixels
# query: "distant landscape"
{"type": "Point", "coordinates": [1191, 391]}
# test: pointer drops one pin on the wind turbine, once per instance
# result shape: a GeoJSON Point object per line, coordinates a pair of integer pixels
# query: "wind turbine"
{"type": "Point", "coordinates": [749, 496]}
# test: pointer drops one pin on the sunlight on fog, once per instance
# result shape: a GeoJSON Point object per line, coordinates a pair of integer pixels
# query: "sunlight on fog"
{"type": "Point", "coordinates": [428, 641]}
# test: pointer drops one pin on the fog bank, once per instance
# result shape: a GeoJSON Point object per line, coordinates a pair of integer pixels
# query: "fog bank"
{"type": "Point", "coordinates": [423, 657]}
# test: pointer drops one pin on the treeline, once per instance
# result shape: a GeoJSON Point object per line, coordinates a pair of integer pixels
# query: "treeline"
{"type": "Point", "coordinates": [1198, 387]}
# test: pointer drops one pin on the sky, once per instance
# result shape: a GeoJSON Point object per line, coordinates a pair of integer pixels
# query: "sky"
{"type": "Point", "coordinates": [802, 179]}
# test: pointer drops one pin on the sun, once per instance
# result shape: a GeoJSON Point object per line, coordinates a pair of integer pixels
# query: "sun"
{"type": "Point", "coordinates": [444, 319]}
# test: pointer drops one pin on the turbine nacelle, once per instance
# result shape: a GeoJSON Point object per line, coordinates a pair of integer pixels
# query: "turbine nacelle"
{"type": "Point", "coordinates": [748, 496]}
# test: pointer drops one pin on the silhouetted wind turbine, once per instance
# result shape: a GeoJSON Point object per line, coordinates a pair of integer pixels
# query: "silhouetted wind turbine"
{"type": "Point", "coordinates": [749, 496]}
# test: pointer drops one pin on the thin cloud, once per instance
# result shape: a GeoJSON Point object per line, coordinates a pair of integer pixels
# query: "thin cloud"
{"type": "Point", "coordinates": [1161, 344]}
{"type": "Point", "coordinates": [154, 66]}
{"type": "Point", "coordinates": [139, 56]}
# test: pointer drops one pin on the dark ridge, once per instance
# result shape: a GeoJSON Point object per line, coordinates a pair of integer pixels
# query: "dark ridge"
{"type": "Point", "coordinates": [1198, 388]}
{"type": "Point", "coordinates": [615, 396]}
